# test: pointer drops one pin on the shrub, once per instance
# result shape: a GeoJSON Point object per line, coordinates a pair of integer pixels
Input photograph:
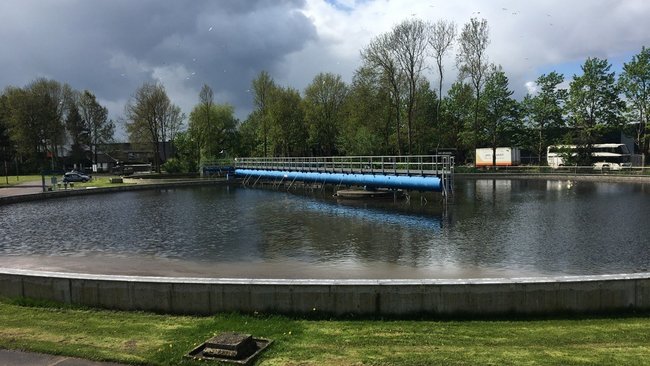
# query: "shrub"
{"type": "Point", "coordinates": [174, 166]}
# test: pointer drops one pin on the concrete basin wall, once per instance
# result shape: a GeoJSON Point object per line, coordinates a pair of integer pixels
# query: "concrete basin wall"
{"type": "Point", "coordinates": [479, 297]}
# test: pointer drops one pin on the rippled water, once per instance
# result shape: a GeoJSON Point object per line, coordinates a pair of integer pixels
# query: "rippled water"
{"type": "Point", "coordinates": [493, 228]}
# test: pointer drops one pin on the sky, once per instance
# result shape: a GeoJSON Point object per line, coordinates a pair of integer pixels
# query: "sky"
{"type": "Point", "coordinates": [111, 47]}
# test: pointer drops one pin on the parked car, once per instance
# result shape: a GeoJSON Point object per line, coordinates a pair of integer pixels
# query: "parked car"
{"type": "Point", "coordinates": [605, 165]}
{"type": "Point", "coordinates": [75, 177]}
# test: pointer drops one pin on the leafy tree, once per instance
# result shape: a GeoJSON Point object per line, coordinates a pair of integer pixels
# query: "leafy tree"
{"type": "Point", "coordinates": [472, 62]}
{"type": "Point", "coordinates": [249, 142]}
{"type": "Point", "coordinates": [323, 103]}
{"type": "Point", "coordinates": [263, 87]}
{"type": "Point", "coordinates": [79, 135]}
{"type": "Point", "coordinates": [634, 82]}
{"type": "Point", "coordinates": [500, 110]}
{"type": "Point", "coordinates": [17, 110]}
{"type": "Point", "coordinates": [425, 138]}
{"type": "Point", "coordinates": [97, 128]}
{"type": "Point", "coordinates": [7, 147]}
{"type": "Point", "coordinates": [34, 122]}
{"type": "Point", "coordinates": [213, 130]}
{"type": "Point", "coordinates": [367, 126]}
{"type": "Point", "coordinates": [152, 118]}
{"type": "Point", "coordinates": [441, 39]}
{"type": "Point", "coordinates": [456, 125]}
{"type": "Point", "coordinates": [287, 123]}
{"type": "Point", "coordinates": [545, 110]}
{"type": "Point", "coordinates": [594, 103]}
{"type": "Point", "coordinates": [187, 153]}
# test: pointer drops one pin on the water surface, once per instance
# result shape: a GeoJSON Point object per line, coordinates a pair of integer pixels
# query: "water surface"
{"type": "Point", "coordinates": [493, 228]}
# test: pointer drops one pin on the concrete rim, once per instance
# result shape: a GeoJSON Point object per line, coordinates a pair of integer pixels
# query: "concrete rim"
{"type": "Point", "coordinates": [338, 282]}
{"type": "Point", "coordinates": [476, 297]}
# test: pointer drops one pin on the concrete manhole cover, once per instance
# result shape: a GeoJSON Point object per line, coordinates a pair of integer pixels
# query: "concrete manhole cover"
{"type": "Point", "coordinates": [237, 348]}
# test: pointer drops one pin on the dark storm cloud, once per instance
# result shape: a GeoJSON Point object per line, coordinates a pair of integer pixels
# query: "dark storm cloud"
{"type": "Point", "coordinates": [112, 47]}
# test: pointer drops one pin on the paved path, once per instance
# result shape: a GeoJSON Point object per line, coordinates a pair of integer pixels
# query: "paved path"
{"type": "Point", "coordinates": [30, 187]}
{"type": "Point", "coordinates": [20, 358]}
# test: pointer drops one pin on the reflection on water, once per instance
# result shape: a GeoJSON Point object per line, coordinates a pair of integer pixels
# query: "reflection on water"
{"type": "Point", "coordinates": [493, 228]}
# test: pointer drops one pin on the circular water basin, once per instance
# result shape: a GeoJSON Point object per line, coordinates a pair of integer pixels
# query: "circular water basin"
{"type": "Point", "coordinates": [492, 228]}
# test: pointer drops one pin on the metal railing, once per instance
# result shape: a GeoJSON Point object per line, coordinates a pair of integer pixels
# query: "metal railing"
{"type": "Point", "coordinates": [441, 166]}
{"type": "Point", "coordinates": [423, 165]}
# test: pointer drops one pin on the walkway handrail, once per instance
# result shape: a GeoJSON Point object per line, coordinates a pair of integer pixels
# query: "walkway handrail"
{"type": "Point", "coordinates": [423, 165]}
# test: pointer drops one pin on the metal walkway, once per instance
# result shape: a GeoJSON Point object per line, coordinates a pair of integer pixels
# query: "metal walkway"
{"type": "Point", "coordinates": [418, 172]}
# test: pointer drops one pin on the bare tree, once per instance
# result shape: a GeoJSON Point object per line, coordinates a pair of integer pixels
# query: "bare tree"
{"type": "Point", "coordinates": [472, 61]}
{"type": "Point", "coordinates": [206, 99]}
{"type": "Point", "coordinates": [410, 39]}
{"type": "Point", "coordinates": [94, 118]}
{"type": "Point", "coordinates": [152, 118]}
{"type": "Point", "coordinates": [263, 86]}
{"type": "Point", "coordinates": [172, 120]}
{"type": "Point", "coordinates": [441, 39]}
{"type": "Point", "coordinates": [381, 57]}
{"type": "Point", "coordinates": [204, 109]}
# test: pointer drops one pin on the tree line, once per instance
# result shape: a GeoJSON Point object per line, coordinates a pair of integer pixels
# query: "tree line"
{"type": "Point", "coordinates": [389, 108]}
{"type": "Point", "coordinates": [41, 120]}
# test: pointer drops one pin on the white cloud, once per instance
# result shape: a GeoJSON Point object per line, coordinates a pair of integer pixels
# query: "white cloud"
{"type": "Point", "coordinates": [527, 38]}
{"type": "Point", "coordinates": [531, 87]}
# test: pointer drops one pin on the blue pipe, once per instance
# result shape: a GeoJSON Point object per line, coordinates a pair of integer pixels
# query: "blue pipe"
{"type": "Point", "coordinates": [417, 183]}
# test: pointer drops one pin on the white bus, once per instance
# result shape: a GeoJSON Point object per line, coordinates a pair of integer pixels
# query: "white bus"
{"type": "Point", "coordinates": [603, 156]}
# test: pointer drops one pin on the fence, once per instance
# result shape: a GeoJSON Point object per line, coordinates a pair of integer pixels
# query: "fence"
{"type": "Point", "coordinates": [424, 165]}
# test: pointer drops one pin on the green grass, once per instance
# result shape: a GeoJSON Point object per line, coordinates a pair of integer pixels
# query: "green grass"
{"type": "Point", "coordinates": [102, 181]}
{"type": "Point", "coordinates": [13, 180]}
{"type": "Point", "coordinates": [145, 338]}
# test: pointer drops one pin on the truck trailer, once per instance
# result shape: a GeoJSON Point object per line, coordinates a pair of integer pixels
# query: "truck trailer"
{"type": "Point", "coordinates": [506, 156]}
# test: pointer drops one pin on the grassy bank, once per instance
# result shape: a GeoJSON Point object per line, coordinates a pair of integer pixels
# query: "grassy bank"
{"type": "Point", "coordinates": [98, 181]}
{"type": "Point", "coordinates": [144, 338]}
{"type": "Point", "coordinates": [12, 180]}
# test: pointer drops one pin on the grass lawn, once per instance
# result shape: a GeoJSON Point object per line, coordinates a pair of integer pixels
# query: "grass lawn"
{"type": "Point", "coordinates": [145, 338]}
{"type": "Point", "coordinates": [13, 180]}
{"type": "Point", "coordinates": [99, 181]}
